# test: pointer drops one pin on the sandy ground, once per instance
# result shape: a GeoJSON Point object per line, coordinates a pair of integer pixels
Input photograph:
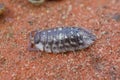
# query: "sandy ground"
{"type": "Point", "coordinates": [101, 61]}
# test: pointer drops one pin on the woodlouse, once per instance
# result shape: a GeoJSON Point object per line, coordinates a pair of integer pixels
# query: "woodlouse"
{"type": "Point", "coordinates": [61, 39]}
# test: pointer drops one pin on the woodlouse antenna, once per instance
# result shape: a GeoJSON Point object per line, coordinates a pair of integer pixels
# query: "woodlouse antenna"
{"type": "Point", "coordinates": [31, 38]}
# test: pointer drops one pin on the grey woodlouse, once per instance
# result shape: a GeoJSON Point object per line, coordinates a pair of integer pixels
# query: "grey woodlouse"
{"type": "Point", "coordinates": [61, 39]}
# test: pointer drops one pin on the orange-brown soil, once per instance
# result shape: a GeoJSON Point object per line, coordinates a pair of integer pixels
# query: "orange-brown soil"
{"type": "Point", "coordinates": [101, 61]}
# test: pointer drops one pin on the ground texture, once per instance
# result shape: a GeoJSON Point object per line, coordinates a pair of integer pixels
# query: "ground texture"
{"type": "Point", "coordinates": [101, 61]}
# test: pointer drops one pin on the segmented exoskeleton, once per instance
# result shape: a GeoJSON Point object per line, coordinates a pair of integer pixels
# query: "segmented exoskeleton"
{"type": "Point", "coordinates": [62, 39]}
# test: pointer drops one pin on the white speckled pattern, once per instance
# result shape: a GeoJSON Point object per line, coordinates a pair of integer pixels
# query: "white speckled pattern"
{"type": "Point", "coordinates": [39, 46]}
{"type": "Point", "coordinates": [63, 39]}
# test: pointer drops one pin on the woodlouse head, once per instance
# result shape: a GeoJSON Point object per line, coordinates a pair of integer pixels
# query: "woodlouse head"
{"type": "Point", "coordinates": [31, 46]}
{"type": "Point", "coordinates": [35, 37]}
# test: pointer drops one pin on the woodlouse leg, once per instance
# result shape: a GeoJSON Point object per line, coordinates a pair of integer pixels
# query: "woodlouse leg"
{"type": "Point", "coordinates": [74, 53]}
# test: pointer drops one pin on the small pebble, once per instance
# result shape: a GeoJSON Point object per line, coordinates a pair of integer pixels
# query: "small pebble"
{"type": "Point", "coordinates": [2, 8]}
{"type": "Point", "coordinates": [36, 2]}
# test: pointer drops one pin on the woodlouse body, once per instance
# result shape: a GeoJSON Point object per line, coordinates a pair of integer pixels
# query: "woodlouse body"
{"type": "Point", "coordinates": [62, 39]}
